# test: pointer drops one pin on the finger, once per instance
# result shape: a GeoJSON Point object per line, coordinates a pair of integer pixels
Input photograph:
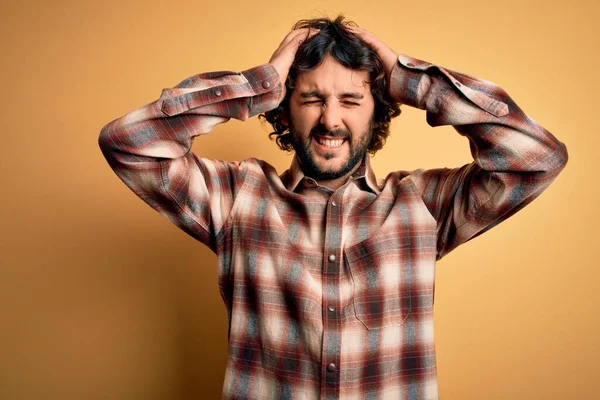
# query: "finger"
{"type": "Point", "coordinates": [365, 35]}
{"type": "Point", "coordinates": [295, 41]}
{"type": "Point", "coordinates": [295, 34]}
{"type": "Point", "coordinates": [309, 34]}
{"type": "Point", "coordinates": [360, 31]}
{"type": "Point", "coordinates": [355, 29]}
{"type": "Point", "coordinates": [298, 34]}
{"type": "Point", "coordinates": [288, 38]}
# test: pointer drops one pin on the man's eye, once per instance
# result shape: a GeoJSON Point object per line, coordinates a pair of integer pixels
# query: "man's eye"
{"type": "Point", "coordinates": [349, 103]}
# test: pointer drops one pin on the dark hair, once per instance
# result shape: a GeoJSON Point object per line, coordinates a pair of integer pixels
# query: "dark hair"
{"type": "Point", "coordinates": [350, 51]}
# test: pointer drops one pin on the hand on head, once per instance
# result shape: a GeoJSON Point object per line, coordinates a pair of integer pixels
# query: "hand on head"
{"type": "Point", "coordinates": [283, 57]}
{"type": "Point", "coordinates": [388, 57]}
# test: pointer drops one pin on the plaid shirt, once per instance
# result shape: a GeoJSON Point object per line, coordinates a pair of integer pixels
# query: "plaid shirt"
{"type": "Point", "coordinates": [330, 294]}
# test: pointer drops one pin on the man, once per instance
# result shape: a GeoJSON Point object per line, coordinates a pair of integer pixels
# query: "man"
{"type": "Point", "coordinates": [327, 273]}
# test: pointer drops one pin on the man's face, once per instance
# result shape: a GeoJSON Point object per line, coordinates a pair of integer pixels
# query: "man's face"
{"type": "Point", "coordinates": [331, 111]}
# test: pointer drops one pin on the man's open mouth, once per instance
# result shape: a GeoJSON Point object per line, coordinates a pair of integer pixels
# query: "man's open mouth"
{"type": "Point", "coordinates": [329, 142]}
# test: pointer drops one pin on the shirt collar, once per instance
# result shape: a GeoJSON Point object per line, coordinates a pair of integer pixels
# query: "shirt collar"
{"type": "Point", "coordinates": [295, 175]}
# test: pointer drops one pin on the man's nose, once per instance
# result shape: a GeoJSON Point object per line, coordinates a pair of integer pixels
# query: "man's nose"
{"type": "Point", "coordinates": [331, 116]}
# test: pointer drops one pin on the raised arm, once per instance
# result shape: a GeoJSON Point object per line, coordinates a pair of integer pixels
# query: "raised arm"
{"type": "Point", "coordinates": [150, 148]}
{"type": "Point", "coordinates": [515, 158]}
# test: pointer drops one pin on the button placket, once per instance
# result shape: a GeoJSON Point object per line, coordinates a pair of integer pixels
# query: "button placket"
{"type": "Point", "coordinates": [331, 284]}
{"type": "Point", "coordinates": [332, 258]}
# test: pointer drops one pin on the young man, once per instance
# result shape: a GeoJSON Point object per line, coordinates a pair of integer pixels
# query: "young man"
{"type": "Point", "coordinates": [327, 273]}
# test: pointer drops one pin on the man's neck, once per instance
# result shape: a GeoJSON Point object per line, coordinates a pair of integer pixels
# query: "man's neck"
{"type": "Point", "coordinates": [335, 184]}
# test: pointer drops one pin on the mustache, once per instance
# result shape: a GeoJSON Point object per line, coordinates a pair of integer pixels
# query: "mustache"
{"type": "Point", "coordinates": [338, 133]}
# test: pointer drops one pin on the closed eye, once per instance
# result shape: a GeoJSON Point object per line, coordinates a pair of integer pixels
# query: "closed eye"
{"type": "Point", "coordinates": [343, 102]}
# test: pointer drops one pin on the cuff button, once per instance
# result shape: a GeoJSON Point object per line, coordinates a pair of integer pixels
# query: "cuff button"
{"type": "Point", "coordinates": [218, 92]}
{"type": "Point", "coordinates": [266, 84]}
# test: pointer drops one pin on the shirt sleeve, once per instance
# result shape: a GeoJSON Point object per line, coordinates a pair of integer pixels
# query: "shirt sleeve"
{"type": "Point", "coordinates": [150, 148]}
{"type": "Point", "coordinates": [515, 159]}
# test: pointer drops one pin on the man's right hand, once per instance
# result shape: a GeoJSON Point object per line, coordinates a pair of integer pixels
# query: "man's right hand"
{"type": "Point", "coordinates": [283, 57]}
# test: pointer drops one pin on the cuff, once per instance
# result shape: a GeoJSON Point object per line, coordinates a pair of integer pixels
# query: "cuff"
{"type": "Point", "coordinates": [255, 88]}
{"type": "Point", "coordinates": [405, 85]}
{"type": "Point", "coordinates": [266, 84]}
{"type": "Point", "coordinates": [405, 78]}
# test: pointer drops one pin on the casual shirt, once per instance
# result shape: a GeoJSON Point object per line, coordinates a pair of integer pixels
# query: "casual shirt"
{"type": "Point", "coordinates": [330, 293]}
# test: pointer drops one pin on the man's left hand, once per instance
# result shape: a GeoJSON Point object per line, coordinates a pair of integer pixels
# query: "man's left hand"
{"type": "Point", "coordinates": [388, 57]}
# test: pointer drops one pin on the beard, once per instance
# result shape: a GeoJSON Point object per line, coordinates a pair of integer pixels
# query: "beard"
{"type": "Point", "coordinates": [311, 168]}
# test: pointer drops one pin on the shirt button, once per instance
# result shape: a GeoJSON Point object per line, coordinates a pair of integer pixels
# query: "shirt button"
{"type": "Point", "coordinates": [266, 84]}
{"type": "Point", "coordinates": [331, 367]}
{"type": "Point", "coordinates": [218, 92]}
{"type": "Point", "coordinates": [331, 308]}
{"type": "Point", "coordinates": [333, 203]}
{"type": "Point", "coordinates": [331, 257]}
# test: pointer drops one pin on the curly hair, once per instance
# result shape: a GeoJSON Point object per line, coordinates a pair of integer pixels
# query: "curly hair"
{"type": "Point", "coordinates": [351, 52]}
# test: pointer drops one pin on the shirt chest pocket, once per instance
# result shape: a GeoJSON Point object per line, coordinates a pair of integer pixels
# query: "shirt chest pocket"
{"type": "Point", "coordinates": [381, 269]}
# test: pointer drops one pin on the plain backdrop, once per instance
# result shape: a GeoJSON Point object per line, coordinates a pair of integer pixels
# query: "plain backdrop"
{"type": "Point", "coordinates": [101, 297]}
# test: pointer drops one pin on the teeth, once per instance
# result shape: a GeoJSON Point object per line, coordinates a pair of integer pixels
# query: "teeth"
{"type": "Point", "coordinates": [330, 143]}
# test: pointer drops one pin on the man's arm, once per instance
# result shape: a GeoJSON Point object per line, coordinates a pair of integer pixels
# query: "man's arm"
{"type": "Point", "coordinates": [149, 148]}
{"type": "Point", "coordinates": [515, 158]}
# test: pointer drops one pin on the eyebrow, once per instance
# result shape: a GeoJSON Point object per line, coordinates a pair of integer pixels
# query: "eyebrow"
{"type": "Point", "coordinates": [317, 94]}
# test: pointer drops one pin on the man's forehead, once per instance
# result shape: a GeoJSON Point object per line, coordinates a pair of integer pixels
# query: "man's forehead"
{"type": "Point", "coordinates": [331, 75]}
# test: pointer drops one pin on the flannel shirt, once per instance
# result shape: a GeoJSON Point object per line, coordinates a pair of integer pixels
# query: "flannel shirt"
{"type": "Point", "coordinates": [330, 294]}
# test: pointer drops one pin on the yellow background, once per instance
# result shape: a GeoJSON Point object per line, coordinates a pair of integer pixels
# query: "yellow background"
{"type": "Point", "coordinates": [101, 297]}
